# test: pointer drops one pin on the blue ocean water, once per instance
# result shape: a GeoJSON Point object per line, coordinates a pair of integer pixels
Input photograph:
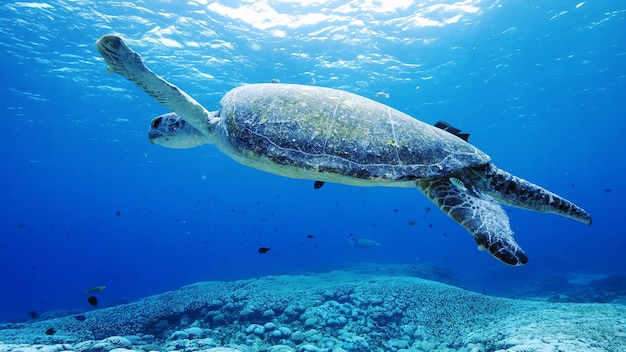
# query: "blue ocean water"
{"type": "Point", "coordinates": [87, 200]}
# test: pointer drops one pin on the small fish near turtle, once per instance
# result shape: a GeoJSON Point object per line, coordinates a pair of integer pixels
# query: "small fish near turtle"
{"type": "Point", "coordinates": [95, 289]}
{"type": "Point", "coordinates": [33, 314]}
{"type": "Point", "coordinates": [382, 95]}
{"type": "Point", "coordinates": [328, 135]}
{"type": "Point", "coordinates": [363, 243]}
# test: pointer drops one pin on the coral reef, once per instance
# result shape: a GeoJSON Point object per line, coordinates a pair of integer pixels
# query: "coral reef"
{"type": "Point", "coordinates": [337, 311]}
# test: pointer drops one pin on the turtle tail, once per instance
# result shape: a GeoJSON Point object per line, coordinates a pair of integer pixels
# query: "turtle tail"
{"type": "Point", "coordinates": [478, 213]}
{"type": "Point", "coordinates": [514, 191]}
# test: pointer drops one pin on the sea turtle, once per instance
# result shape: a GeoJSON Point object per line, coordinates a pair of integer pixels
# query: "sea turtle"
{"type": "Point", "coordinates": [328, 135]}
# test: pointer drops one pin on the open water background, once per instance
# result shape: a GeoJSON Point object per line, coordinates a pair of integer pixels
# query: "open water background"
{"type": "Point", "coordinates": [540, 87]}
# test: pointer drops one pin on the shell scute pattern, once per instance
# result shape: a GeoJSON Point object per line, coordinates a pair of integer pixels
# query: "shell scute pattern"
{"type": "Point", "coordinates": [333, 131]}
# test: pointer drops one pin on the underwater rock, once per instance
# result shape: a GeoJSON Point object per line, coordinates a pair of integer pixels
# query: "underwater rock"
{"type": "Point", "coordinates": [178, 335]}
{"type": "Point", "coordinates": [110, 343]}
{"type": "Point", "coordinates": [84, 346]}
{"type": "Point", "coordinates": [294, 310]}
{"type": "Point", "coordinates": [268, 313]}
{"type": "Point", "coordinates": [280, 348]}
{"type": "Point", "coordinates": [285, 332]}
{"type": "Point", "coordinates": [309, 348]}
{"type": "Point", "coordinates": [355, 343]}
{"type": "Point", "coordinates": [297, 337]}
{"type": "Point", "coordinates": [219, 319]}
{"type": "Point", "coordinates": [195, 333]}
{"type": "Point", "coordinates": [255, 329]}
{"type": "Point", "coordinates": [311, 322]}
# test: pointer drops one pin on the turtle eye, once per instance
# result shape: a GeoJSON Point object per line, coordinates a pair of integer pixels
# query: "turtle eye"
{"type": "Point", "coordinates": [156, 122]}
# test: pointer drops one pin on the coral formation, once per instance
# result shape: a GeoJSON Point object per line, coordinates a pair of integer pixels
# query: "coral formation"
{"type": "Point", "coordinates": [337, 311]}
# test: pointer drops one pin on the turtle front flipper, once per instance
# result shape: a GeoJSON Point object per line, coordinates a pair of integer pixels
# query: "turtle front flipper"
{"type": "Point", "coordinates": [478, 213]}
{"type": "Point", "coordinates": [126, 62]}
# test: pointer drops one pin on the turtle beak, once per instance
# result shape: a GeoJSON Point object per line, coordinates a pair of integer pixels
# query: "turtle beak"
{"type": "Point", "coordinates": [152, 135]}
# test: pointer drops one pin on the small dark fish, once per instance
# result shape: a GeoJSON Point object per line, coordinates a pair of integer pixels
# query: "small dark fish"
{"type": "Point", "coordinates": [411, 222]}
{"type": "Point", "coordinates": [310, 236]}
{"type": "Point", "coordinates": [33, 314]}
{"type": "Point", "coordinates": [51, 331]}
{"type": "Point", "coordinates": [318, 184]}
{"type": "Point", "coordinates": [93, 301]}
{"type": "Point", "coordinates": [607, 190]}
{"type": "Point", "coordinates": [264, 250]}
{"type": "Point", "coordinates": [451, 129]}
{"type": "Point", "coordinates": [80, 317]}
{"type": "Point", "coordinates": [118, 213]}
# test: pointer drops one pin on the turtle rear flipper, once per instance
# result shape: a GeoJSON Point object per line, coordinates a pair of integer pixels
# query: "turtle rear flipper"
{"type": "Point", "coordinates": [479, 214]}
{"type": "Point", "coordinates": [514, 191]}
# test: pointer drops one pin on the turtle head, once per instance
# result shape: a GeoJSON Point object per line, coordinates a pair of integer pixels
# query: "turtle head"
{"type": "Point", "coordinates": [171, 131]}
